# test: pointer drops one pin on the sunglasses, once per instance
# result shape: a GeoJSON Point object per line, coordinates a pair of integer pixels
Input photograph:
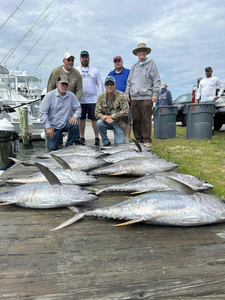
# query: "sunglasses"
{"type": "Point", "coordinates": [70, 59]}
{"type": "Point", "coordinates": [109, 84]}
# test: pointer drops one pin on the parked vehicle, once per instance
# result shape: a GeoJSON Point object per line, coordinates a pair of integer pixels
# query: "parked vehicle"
{"type": "Point", "coordinates": [181, 101]}
{"type": "Point", "coordinates": [186, 99]}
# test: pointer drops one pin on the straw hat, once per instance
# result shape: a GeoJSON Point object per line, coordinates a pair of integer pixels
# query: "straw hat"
{"type": "Point", "coordinates": [141, 46]}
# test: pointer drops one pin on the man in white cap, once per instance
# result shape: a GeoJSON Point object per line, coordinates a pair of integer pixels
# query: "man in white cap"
{"type": "Point", "coordinates": [75, 85]}
{"type": "Point", "coordinates": [92, 81]}
{"type": "Point", "coordinates": [164, 97]}
{"type": "Point", "coordinates": [59, 112]}
{"type": "Point", "coordinates": [143, 86]}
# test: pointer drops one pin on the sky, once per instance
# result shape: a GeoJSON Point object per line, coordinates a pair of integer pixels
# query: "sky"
{"type": "Point", "coordinates": [185, 36]}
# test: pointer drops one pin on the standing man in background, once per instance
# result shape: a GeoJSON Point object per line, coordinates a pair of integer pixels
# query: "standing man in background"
{"type": "Point", "coordinates": [75, 84]}
{"type": "Point", "coordinates": [207, 89]}
{"type": "Point", "coordinates": [91, 80]}
{"type": "Point", "coordinates": [121, 74]}
{"type": "Point", "coordinates": [164, 97]}
{"type": "Point", "coordinates": [143, 86]}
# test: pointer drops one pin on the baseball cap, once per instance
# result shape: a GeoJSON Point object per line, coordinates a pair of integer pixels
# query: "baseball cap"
{"type": "Point", "coordinates": [110, 78]}
{"type": "Point", "coordinates": [84, 53]}
{"type": "Point", "coordinates": [163, 85]}
{"type": "Point", "coordinates": [117, 58]}
{"type": "Point", "coordinates": [63, 79]}
{"type": "Point", "coordinates": [67, 55]}
{"type": "Point", "coordinates": [208, 69]}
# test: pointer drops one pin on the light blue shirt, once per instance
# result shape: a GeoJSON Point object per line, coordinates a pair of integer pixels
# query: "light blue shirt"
{"type": "Point", "coordinates": [55, 109]}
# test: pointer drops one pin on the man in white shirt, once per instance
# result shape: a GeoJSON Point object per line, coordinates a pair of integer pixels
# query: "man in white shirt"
{"type": "Point", "coordinates": [91, 80]}
{"type": "Point", "coordinates": [207, 89]}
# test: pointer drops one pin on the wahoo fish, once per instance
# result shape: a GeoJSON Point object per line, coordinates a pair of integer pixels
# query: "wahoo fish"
{"type": "Point", "coordinates": [182, 207]}
{"type": "Point", "coordinates": [152, 183]}
{"type": "Point", "coordinates": [136, 167]}
{"type": "Point", "coordinates": [119, 156]}
{"type": "Point", "coordinates": [47, 195]}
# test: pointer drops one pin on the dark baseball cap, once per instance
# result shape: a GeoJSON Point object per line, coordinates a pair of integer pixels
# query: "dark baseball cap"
{"type": "Point", "coordinates": [208, 69]}
{"type": "Point", "coordinates": [84, 53]}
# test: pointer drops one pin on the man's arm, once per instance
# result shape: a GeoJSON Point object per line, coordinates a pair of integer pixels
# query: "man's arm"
{"type": "Point", "coordinates": [52, 82]}
{"type": "Point", "coordinates": [124, 108]}
{"type": "Point", "coordinates": [221, 86]}
{"type": "Point", "coordinates": [98, 108]}
{"type": "Point", "coordinates": [156, 81]}
{"type": "Point", "coordinates": [79, 86]}
{"type": "Point", "coordinates": [169, 98]}
{"type": "Point", "coordinates": [44, 109]}
{"type": "Point", "coordinates": [100, 84]}
{"type": "Point", "coordinates": [199, 93]}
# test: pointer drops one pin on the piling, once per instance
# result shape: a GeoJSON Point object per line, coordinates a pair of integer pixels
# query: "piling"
{"type": "Point", "coordinates": [6, 142]}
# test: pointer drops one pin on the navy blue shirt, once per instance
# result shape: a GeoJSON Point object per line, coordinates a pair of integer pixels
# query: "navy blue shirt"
{"type": "Point", "coordinates": [164, 98]}
{"type": "Point", "coordinates": [121, 79]}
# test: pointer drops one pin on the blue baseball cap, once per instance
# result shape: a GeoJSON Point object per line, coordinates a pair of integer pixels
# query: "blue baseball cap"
{"type": "Point", "coordinates": [110, 78]}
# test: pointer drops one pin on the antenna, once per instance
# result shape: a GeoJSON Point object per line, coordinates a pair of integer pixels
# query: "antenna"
{"type": "Point", "coordinates": [17, 7]}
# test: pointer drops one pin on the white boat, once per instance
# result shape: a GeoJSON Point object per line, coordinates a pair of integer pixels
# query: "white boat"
{"type": "Point", "coordinates": [12, 88]}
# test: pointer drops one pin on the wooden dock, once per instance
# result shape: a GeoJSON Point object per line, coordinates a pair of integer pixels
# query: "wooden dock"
{"type": "Point", "coordinates": [93, 260]}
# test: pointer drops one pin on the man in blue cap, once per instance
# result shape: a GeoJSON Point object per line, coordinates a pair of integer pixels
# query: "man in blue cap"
{"type": "Point", "coordinates": [111, 112]}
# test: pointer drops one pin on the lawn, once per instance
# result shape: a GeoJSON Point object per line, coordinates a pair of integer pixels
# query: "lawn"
{"type": "Point", "coordinates": [201, 158]}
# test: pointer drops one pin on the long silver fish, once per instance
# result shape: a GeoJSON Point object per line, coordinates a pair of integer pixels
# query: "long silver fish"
{"type": "Point", "coordinates": [123, 147]}
{"type": "Point", "coordinates": [76, 162]}
{"type": "Point", "coordinates": [64, 176]}
{"type": "Point", "coordinates": [136, 167]}
{"type": "Point", "coordinates": [172, 208]}
{"type": "Point", "coordinates": [73, 151]}
{"type": "Point", "coordinates": [152, 183]}
{"type": "Point", "coordinates": [44, 195]}
{"type": "Point", "coordinates": [122, 155]}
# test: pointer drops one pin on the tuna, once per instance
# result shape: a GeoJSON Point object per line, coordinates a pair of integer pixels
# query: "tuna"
{"type": "Point", "coordinates": [169, 208]}
{"type": "Point", "coordinates": [136, 167]}
{"type": "Point", "coordinates": [45, 195]}
{"type": "Point", "coordinates": [119, 156]}
{"type": "Point", "coordinates": [152, 183]}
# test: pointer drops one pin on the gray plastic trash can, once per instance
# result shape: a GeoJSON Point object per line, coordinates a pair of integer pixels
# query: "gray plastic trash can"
{"type": "Point", "coordinates": [199, 120]}
{"type": "Point", "coordinates": [165, 122]}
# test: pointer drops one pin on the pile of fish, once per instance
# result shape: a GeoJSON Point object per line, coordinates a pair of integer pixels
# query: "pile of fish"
{"type": "Point", "coordinates": [169, 198]}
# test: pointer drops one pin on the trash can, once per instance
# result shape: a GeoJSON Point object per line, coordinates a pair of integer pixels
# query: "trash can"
{"type": "Point", "coordinates": [199, 120]}
{"type": "Point", "coordinates": [165, 122]}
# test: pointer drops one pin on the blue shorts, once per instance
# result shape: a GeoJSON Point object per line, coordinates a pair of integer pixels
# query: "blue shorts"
{"type": "Point", "coordinates": [89, 109]}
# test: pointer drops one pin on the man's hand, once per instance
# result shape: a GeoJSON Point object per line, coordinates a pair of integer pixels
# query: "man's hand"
{"type": "Point", "coordinates": [154, 98]}
{"type": "Point", "coordinates": [196, 100]}
{"type": "Point", "coordinates": [50, 133]}
{"type": "Point", "coordinates": [73, 121]}
{"type": "Point", "coordinates": [128, 99]}
{"type": "Point", "coordinates": [107, 119]}
{"type": "Point", "coordinates": [217, 97]}
{"type": "Point", "coordinates": [104, 117]}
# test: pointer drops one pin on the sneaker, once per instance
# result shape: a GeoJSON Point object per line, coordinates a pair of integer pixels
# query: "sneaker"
{"type": "Point", "coordinates": [82, 141]}
{"type": "Point", "coordinates": [147, 145]}
{"type": "Point", "coordinates": [97, 142]}
{"type": "Point", "coordinates": [127, 141]}
{"type": "Point", "coordinates": [107, 145]}
{"type": "Point", "coordinates": [77, 142]}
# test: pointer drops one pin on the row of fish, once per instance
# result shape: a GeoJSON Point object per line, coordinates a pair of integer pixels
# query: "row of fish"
{"type": "Point", "coordinates": [178, 203]}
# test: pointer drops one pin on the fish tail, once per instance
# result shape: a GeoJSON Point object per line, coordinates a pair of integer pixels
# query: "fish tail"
{"type": "Point", "coordinates": [17, 162]}
{"type": "Point", "coordinates": [72, 220]}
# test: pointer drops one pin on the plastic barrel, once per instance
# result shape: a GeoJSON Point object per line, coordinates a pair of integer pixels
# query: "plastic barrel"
{"type": "Point", "coordinates": [199, 120]}
{"type": "Point", "coordinates": [165, 122]}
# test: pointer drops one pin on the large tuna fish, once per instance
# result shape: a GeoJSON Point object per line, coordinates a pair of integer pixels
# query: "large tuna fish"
{"type": "Point", "coordinates": [76, 162]}
{"type": "Point", "coordinates": [172, 207]}
{"type": "Point", "coordinates": [45, 195]}
{"type": "Point", "coordinates": [119, 156]}
{"type": "Point", "coordinates": [124, 147]}
{"type": "Point", "coordinates": [136, 167]}
{"type": "Point", "coordinates": [152, 183]}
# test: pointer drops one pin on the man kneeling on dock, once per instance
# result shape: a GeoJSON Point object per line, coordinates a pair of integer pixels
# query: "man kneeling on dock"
{"type": "Point", "coordinates": [59, 112]}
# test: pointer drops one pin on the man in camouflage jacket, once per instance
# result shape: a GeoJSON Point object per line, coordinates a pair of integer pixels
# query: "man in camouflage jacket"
{"type": "Point", "coordinates": [111, 112]}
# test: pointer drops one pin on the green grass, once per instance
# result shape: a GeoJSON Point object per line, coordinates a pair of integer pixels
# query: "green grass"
{"type": "Point", "coordinates": [201, 158]}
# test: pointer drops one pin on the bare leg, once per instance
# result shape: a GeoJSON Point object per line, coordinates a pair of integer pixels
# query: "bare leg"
{"type": "Point", "coordinates": [94, 126]}
{"type": "Point", "coordinates": [82, 128]}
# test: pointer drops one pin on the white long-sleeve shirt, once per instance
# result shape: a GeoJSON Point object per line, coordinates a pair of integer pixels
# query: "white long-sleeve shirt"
{"type": "Point", "coordinates": [207, 88]}
{"type": "Point", "coordinates": [92, 82]}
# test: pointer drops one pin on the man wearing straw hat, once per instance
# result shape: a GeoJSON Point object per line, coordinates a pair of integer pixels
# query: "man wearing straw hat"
{"type": "Point", "coordinates": [143, 86]}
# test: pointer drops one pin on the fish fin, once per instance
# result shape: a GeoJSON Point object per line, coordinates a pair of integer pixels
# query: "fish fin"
{"type": "Point", "coordinates": [137, 144]}
{"type": "Point", "coordinates": [16, 161]}
{"type": "Point", "coordinates": [97, 192]}
{"type": "Point", "coordinates": [74, 209]}
{"type": "Point", "coordinates": [175, 184]}
{"type": "Point", "coordinates": [129, 222]}
{"type": "Point", "coordinates": [52, 179]}
{"type": "Point", "coordinates": [138, 192]}
{"type": "Point", "coordinates": [62, 162]}
{"type": "Point", "coordinates": [70, 221]}
{"type": "Point", "coordinates": [7, 203]}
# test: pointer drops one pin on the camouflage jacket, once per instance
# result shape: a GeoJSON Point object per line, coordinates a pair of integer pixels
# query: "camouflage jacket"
{"type": "Point", "coordinates": [121, 107]}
